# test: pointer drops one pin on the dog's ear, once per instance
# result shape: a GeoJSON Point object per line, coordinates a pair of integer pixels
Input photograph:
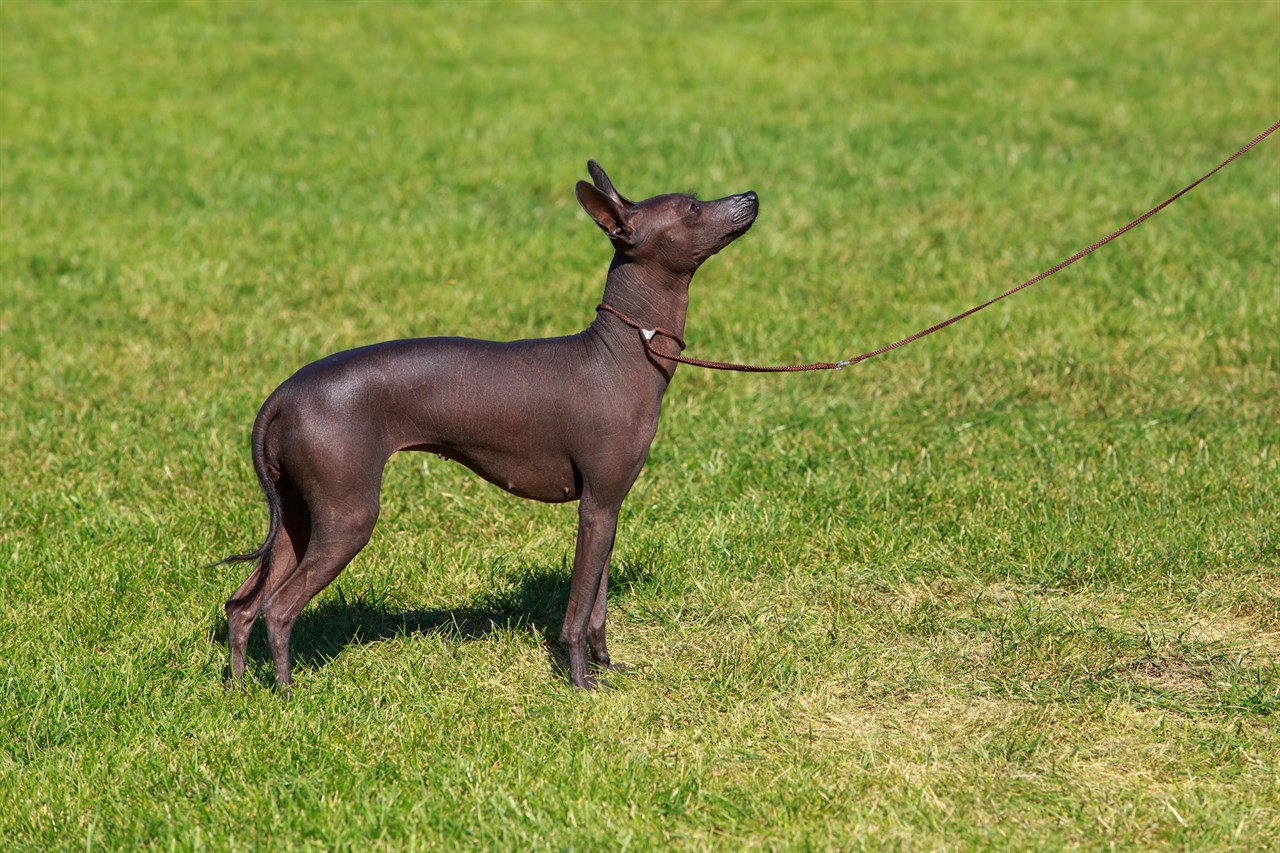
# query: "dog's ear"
{"type": "Point", "coordinates": [607, 212]}
{"type": "Point", "coordinates": [605, 185]}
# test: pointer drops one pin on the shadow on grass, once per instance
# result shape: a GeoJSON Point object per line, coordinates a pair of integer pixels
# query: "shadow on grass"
{"type": "Point", "coordinates": [534, 600]}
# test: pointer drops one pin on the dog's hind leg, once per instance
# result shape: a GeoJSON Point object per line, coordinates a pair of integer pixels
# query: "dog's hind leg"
{"type": "Point", "coordinates": [338, 532]}
{"type": "Point", "coordinates": [273, 569]}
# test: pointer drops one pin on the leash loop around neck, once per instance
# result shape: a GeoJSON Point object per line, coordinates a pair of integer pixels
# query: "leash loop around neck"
{"type": "Point", "coordinates": [647, 335]}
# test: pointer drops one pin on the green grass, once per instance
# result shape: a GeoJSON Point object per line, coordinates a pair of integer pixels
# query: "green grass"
{"type": "Point", "coordinates": [1015, 586]}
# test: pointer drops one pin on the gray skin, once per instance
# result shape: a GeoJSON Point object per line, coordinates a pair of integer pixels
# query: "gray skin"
{"type": "Point", "coordinates": [551, 419]}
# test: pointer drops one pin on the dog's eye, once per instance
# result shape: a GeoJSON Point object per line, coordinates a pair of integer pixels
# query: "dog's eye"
{"type": "Point", "coordinates": [694, 207]}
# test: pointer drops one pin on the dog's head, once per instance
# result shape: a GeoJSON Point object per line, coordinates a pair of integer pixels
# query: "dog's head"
{"type": "Point", "coordinates": [675, 231]}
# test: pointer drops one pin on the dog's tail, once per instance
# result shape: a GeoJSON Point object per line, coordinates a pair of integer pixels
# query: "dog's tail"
{"type": "Point", "coordinates": [270, 491]}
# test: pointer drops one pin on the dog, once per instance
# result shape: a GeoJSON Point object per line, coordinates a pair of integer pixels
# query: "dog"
{"type": "Point", "coordinates": [550, 419]}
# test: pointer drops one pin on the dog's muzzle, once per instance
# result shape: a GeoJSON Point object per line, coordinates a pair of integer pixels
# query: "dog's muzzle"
{"type": "Point", "coordinates": [745, 208]}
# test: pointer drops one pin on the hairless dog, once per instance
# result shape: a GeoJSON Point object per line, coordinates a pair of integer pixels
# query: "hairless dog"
{"type": "Point", "coordinates": [551, 419]}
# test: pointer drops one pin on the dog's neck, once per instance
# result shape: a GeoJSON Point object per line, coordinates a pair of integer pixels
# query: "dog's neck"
{"type": "Point", "coordinates": [653, 297]}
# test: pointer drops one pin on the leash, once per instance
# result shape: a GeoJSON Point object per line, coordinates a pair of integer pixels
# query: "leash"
{"type": "Point", "coordinates": [647, 334]}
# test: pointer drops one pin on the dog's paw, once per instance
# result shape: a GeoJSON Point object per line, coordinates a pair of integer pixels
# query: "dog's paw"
{"type": "Point", "coordinates": [615, 666]}
{"type": "Point", "coordinates": [587, 683]}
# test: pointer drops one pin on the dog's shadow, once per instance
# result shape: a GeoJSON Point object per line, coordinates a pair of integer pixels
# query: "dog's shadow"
{"type": "Point", "coordinates": [533, 601]}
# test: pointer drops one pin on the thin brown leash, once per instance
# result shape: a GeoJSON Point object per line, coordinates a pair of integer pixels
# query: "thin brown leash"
{"type": "Point", "coordinates": [647, 334]}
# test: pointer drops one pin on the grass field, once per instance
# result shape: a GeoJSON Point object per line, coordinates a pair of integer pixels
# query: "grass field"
{"type": "Point", "coordinates": [1015, 586]}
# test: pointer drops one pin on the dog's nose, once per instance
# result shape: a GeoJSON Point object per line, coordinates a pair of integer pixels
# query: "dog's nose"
{"type": "Point", "coordinates": [744, 207]}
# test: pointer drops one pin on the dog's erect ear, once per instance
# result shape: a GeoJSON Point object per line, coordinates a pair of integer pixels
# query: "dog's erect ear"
{"type": "Point", "coordinates": [605, 185]}
{"type": "Point", "coordinates": [607, 212]}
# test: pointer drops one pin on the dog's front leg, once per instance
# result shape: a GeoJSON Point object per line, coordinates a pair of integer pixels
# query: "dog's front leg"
{"type": "Point", "coordinates": [596, 527]}
{"type": "Point", "coordinates": [595, 625]}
